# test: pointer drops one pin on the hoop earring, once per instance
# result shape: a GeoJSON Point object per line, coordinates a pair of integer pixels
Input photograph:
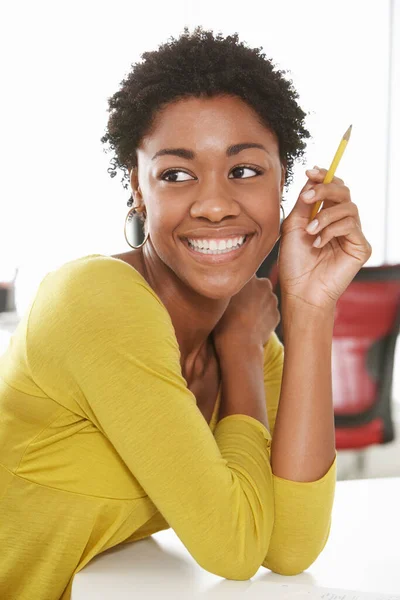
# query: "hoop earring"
{"type": "Point", "coordinates": [282, 219]}
{"type": "Point", "coordinates": [132, 214]}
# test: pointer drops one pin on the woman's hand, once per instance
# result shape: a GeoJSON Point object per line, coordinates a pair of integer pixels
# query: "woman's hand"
{"type": "Point", "coordinates": [318, 275]}
{"type": "Point", "coordinates": [250, 318]}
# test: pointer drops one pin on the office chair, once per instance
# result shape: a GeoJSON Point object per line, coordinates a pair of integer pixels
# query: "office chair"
{"type": "Point", "coordinates": [365, 331]}
{"type": "Point", "coordinates": [366, 327]}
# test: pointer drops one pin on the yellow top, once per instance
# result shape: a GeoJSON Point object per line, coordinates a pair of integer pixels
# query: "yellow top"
{"type": "Point", "coordinates": [101, 443]}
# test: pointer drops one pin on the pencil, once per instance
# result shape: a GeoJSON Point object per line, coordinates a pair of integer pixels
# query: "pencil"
{"type": "Point", "coordinates": [336, 160]}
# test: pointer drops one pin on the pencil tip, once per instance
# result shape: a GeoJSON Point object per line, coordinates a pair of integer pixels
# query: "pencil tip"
{"type": "Point", "coordinates": [347, 134]}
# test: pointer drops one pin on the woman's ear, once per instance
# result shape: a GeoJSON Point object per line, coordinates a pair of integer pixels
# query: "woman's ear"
{"type": "Point", "coordinates": [136, 191]}
{"type": "Point", "coordinates": [134, 180]}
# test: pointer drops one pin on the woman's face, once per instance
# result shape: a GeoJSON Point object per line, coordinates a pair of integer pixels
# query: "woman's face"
{"type": "Point", "coordinates": [209, 170]}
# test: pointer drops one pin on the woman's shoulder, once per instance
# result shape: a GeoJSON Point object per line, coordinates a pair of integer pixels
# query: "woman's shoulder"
{"type": "Point", "coordinates": [96, 310]}
{"type": "Point", "coordinates": [91, 266]}
{"type": "Point", "coordinates": [98, 279]}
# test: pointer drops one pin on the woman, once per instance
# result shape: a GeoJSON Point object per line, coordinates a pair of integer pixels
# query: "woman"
{"type": "Point", "coordinates": [140, 391]}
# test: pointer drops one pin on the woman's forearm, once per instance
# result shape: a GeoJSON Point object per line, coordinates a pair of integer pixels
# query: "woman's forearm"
{"type": "Point", "coordinates": [303, 445]}
{"type": "Point", "coordinates": [243, 382]}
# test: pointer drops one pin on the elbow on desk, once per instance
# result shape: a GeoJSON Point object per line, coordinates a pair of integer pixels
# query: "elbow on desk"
{"type": "Point", "coordinates": [284, 559]}
{"type": "Point", "coordinates": [245, 569]}
{"type": "Point", "coordinates": [234, 571]}
{"type": "Point", "coordinates": [240, 539]}
{"type": "Point", "coordinates": [230, 561]}
{"type": "Point", "coordinates": [235, 564]}
{"type": "Point", "coordinates": [237, 559]}
{"type": "Point", "coordinates": [287, 567]}
{"type": "Point", "coordinates": [294, 558]}
{"type": "Point", "coordinates": [292, 562]}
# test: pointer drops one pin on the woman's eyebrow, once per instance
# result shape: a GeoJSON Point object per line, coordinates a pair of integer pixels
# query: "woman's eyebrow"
{"type": "Point", "coordinates": [190, 155]}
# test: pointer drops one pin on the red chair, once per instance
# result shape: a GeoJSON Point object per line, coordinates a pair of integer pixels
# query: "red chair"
{"type": "Point", "coordinates": [364, 340]}
{"type": "Point", "coordinates": [366, 327]}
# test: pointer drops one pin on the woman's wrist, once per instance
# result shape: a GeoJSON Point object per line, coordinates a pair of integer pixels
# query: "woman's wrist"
{"type": "Point", "coordinates": [303, 316]}
{"type": "Point", "coordinates": [242, 378]}
{"type": "Point", "coordinates": [231, 346]}
{"type": "Point", "coordinates": [229, 353]}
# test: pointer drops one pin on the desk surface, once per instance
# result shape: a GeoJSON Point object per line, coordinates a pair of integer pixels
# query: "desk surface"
{"type": "Point", "coordinates": [362, 554]}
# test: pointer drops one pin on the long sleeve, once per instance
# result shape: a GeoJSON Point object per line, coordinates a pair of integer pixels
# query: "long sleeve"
{"type": "Point", "coordinates": [101, 344]}
{"type": "Point", "coordinates": [302, 510]}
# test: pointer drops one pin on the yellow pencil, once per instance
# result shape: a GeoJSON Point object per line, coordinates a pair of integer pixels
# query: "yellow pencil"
{"type": "Point", "coordinates": [330, 174]}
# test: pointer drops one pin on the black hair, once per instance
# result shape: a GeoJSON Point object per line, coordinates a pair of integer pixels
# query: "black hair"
{"type": "Point", "coordinates": [202, 64]}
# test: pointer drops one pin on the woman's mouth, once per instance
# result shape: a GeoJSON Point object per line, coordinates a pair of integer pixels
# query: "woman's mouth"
{"type": "Point", "coordinates": [211, 251]}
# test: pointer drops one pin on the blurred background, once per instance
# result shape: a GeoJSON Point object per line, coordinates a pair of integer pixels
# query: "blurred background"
{"type": "Point", "coordinates": [60, 61]}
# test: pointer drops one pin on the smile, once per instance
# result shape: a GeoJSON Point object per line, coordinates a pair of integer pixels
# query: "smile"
{"type": "Point", "coordinates": [215, 252]}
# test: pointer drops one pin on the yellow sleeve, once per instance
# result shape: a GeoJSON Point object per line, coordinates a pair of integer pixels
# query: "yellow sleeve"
{"type": "Point", "coordinates": [302, 510]}
{"type": "Point", "coordinates": [101, 343]}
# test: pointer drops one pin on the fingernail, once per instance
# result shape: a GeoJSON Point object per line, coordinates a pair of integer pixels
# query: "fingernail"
{"type": "Point", "coordinates": [308, 195]}
{"type": "Point", "coordinates": [317, 241]}
{"type": "Point", "coordinates": [313, 171]}
{"type": "Point", "coordinates": [312, 226]}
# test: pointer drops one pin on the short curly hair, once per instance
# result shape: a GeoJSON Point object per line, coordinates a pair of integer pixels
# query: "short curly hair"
{"type": "Point", "coordinates": [201, 64]}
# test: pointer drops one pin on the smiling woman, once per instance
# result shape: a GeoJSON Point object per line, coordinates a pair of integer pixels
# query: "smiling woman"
{"type": "Point", "coordinates": [148, 389]}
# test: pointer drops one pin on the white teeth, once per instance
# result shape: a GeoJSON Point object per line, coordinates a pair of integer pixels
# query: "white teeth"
{"type": "Point", "coordinates": [217, 246]}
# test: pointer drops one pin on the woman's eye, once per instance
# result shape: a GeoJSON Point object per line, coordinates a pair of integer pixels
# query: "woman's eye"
{"type": "Point", "coordinates": [176, 176]}
{"type": "Point", "coordinates": [244, 172]}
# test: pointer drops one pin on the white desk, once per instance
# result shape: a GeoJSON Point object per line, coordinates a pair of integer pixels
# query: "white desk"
{"type": "Point", "coordinates": [362, 554]}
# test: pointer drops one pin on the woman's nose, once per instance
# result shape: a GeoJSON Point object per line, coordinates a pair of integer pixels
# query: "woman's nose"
{"type": "Point", "coordinates": [215, 200]}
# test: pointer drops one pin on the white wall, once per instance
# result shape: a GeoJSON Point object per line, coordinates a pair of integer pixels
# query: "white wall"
{"type": "Point", "coordinates": [61, 60]}
{"type": "Point", "coordinates": [393, 238]}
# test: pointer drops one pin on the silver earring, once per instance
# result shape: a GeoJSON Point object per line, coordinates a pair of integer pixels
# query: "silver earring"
{"type": "Point", "coordinates": [282, 219]}
{"type": "Point", "coordinates": [132, 214]}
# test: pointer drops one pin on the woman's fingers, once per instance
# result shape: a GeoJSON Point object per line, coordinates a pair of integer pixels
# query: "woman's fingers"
{"type": "Point", "coordinates": [339, 217]}
{"type": "Point", "coordinates": [348, 227]}
{"type": "Point", "coordinates": [315, 190]}
{"type": "Point", "coordinates": [318, 175]}
{"type": "Point", "coordinates": [329, 193]}
{"type": "Point", "coordinates": [327, 216]}
{"type": "Point", "coordinates": [315, 176]}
